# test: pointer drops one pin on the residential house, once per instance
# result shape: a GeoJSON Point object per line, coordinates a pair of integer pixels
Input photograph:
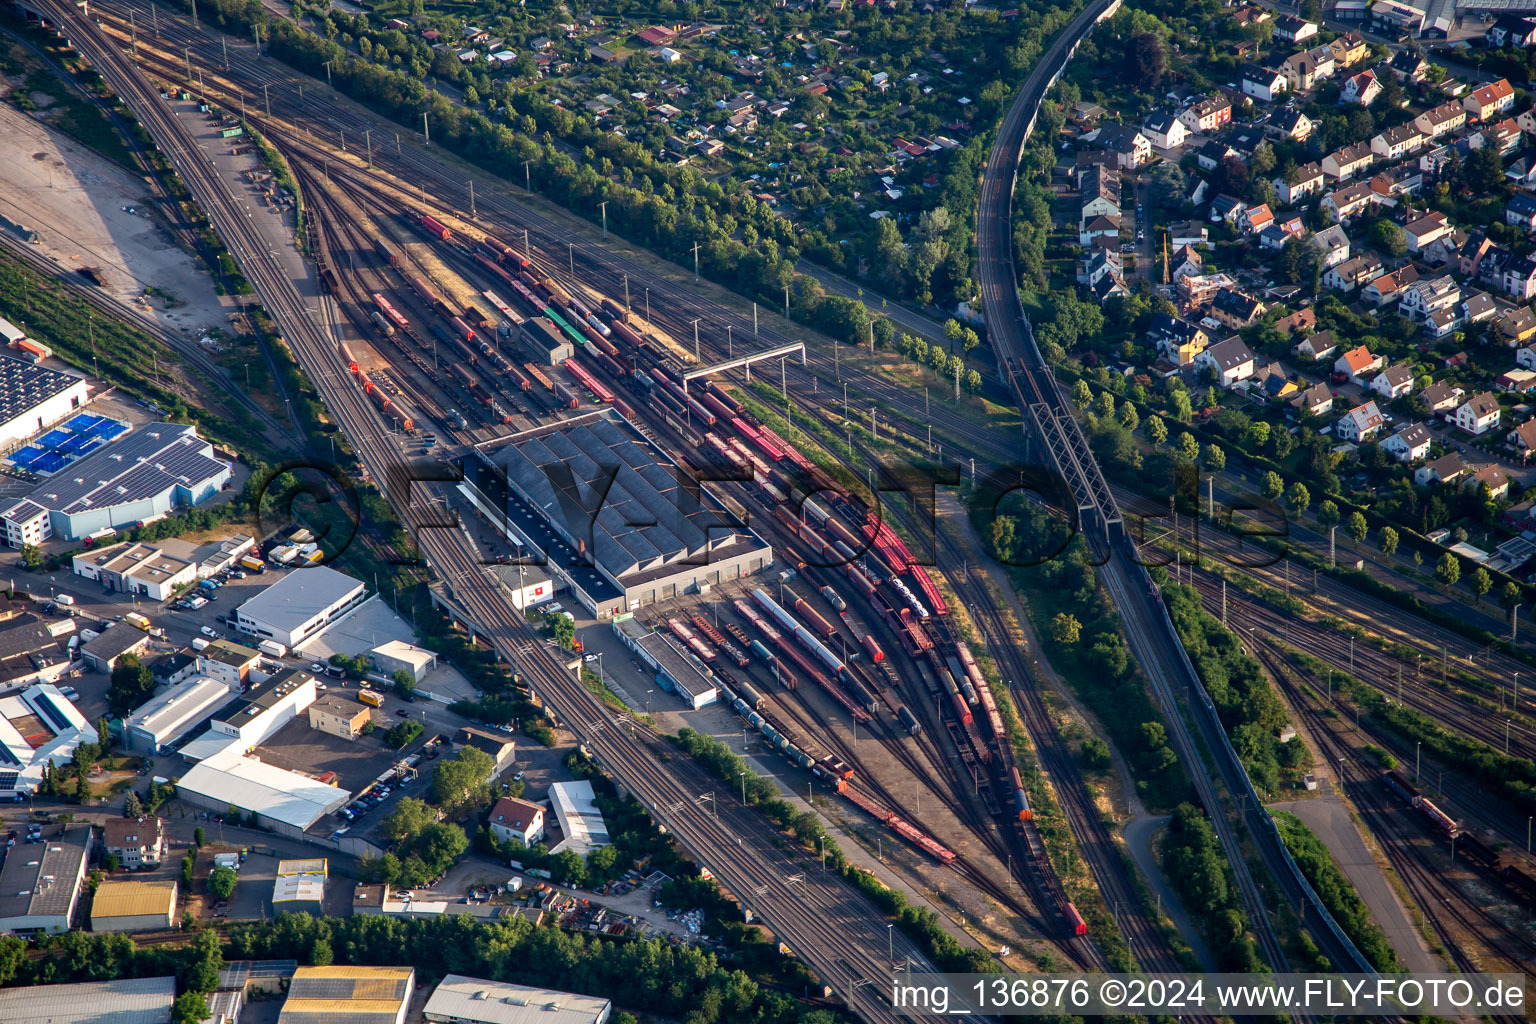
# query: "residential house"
{"type": "Point", "coordinates": [1426, 229]}
{"type": "Point", "coordinates": [1409, 66]}
{"type": "Point", "coordinates": [1130, 147]}
{"type": "Point", "coordinates": [1515, 31]}
{"type": "Point", "coordinates": [1478, 414]}
{"type": "Point", "coordinates": [1352, 273]}
{"type": "Point", "coordinates": [1308, 182]}
{"type": "Point", "coordinates": [137, 843]}
{"type": "Point", "coordinates": [1389, 288]}
{"type": "Point", "coordinates": [1227, 208]}
{"type": "Point", "coordinates": [1359, 424]}
{"type": "Point", "coordinates": [1300, 71]}
{"type": "Point", "coordinates": [1490, 476]}
{"type": "Point", "coordinates": [1102, 262]}
{"type": "Point", "coordinates": [1436, 121]}
{"type": "Point", "coordinates": [1447, 469]}
{"type": "Point", "coordinates": [1441, 397]}
{"type": "Point", "coordinates": [1110, 286]}
{"type": "Point", "coordinates": [1516, 382]}
{"type": "Point", "coordinates": [1409, 444]}
{"type": "Point", "coordinates": [1231, 359]}
{"type": "Point", "coordinates": [1357, 364]}
{"type": "Point", "coordinates": [1186, 262]}
{"type": "Point", "coordinates": [1319, 346]}
{"type": "Point", "coordinates": [1523, 438]}
{"type": "Point", "coordinates": [1208, 114]}
{"type": "Point", "coordinates": [1442, 322]}
{"type": "Point", "coordinates": [1107, 228]}
{"type": "Point", "coordinates": [1099, 194]}
{"type": "Point", "coordinates": [1292, 29]}
{"type": "Point", "coordinates": [1187, 232]}
{"type": "Point", "coordinates": [1515, 325]}
{"type": "Point", "coordinates": [1255, 219]}
{"type": "Point", "coordinates": [1397, 142]}
{"type": "Point", "coordinates": [1515, 276]}
{"type": "Point", "coordinates": [1527, 122]}
{"type": "Point", "coordinates": [1333, 243]}
{"type": "Point", "coordinates": [1315, 401]}
{"type": "Point", "coordinates": [1327, 64]}
{"type": "Point", "coordinates": [1289, 124]}
{"type": "Point", "coordinates": [1281, 231]}
{"type": "Point", "coordinates": [1486, 102]}
{"type": "Point", "coordinates": [1343, 164]}
{"type": "Point", "coordinates": [1263, 84]}
{"type": "Point", "coordinates": [1164, 130]}
{"type": "Point", "coordinates": [1521, 210]}
{"type": "Point", "coordinates": [1526, 357]}
{"type": "Point", "coordinates": [1210, 155]}
{"type": "Point", "coordinates": [1469, 257]}
{"type": "Point", "coordinates": [1396, 182]}
{"type": "Point", "coordinates": [1349, 201]}
{"type": "Point", "coordinates": [1236, 309]}
{"type": "Point", "coordinates": [1362, 88]}
{"type": "Point", "coordinates": [517, 821]}
{"type": "Point", "coordinates": [1430, 296]}
{"type": "Point", "coordinates": [1479, 306]}
{"type": "Point", "coordinates": [1392, 382]}
{"type": "Point", "coordinates": [1302, 320]}
{"type": "Point", "coordinates": [1178, 341]}
{"type": "Point", "coordinates": [1350, 49]}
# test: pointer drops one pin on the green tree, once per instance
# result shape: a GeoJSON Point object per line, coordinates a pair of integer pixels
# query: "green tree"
{"type": "Point", "coordinates": [1388, 238]}
{"type": "Point", "coordinates": [198, 837]}
{"type": "Point", "coordinates": [1273, 486]}
{"type": "Point", "coordinates": [320, 954]}
{"type": "Point", "coordinates": [1215, 459]}
{"type": "Point", "coordinates": [1065, 629]}
{"type": "Point", "coordinates": [1105, 406]}
{"type": "Point", "coordinates": [189, 1008]}
{"type": "Point", "coordinates": [1327, 513]}
{"type": "Point", "coordinates": [1187, 447]}
{"type": "Point", "coordinates": [133, 807]}
{"type": "Point", "coordinates": [1128, 417]}
{"type": "Point", "coordinates": [222, 882]}
{"type": "Point", "coordinates": [1357, 527]}
{"type": "Point", "coordinates": [1480, 583]}
{"type": "Point", "coordinates": [1156, 430]}
{"type": "Point", "coordinates": [1387, 539]}
{"type": "Point", "coordinates": [1298, 499]}
{"type": "Point", "coordinates": [1179, 406]}
{"type": "Point", "coordinates": [132, 684]}
{"type": "Point", "coordinates": [1081, 396]}
{"type": "Point", "coordinates": [1509, 596]}
{"type": "Point", "coordinates": [31, 556]}
{"type": "Point", "coordinates": [405, 683]}
{"type": "Point", "coordinates": [410, 818]}
{"type": "Point", "coordinates": [563, 629]}
{"type": "Point", "coordinates": [1004, 537]}
{"type": "Point", "coordinates": [463, 782]}
{"type": "Point", "coordinates": [1448, 569]}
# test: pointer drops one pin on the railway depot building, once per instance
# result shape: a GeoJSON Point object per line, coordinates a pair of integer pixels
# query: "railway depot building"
{"type": "Point", "coordinates": [610, 517]}
{"type": "Point", "coordinates": [149, 473]}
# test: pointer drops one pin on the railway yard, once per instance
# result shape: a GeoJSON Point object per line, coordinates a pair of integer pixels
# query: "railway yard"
{"type": "Point", "coordinates": [441, 326]}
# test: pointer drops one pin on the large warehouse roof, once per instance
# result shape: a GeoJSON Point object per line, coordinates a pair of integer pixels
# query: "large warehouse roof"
{"type": "Point", "coordinates": [124, 1001]}
{"type": "Point", "coordinates": [120, 897]}
{"type": "Point", "coordinates": [299, 596]}
{"type": "Point", "coordinates": [462, 998]}
{"type": "Point", "coordinates": [582, 822]}
{"type": "Point", "coordinates": [153, 459]}
{"type": "Point", "coordinates": [24, 386]}
{"type": "Point", "coordinates": [229, 777]}
{"type": "Point", "coordinates": [649, 513]}
{"type": "Point", "coordinates": [37, 725]}
{"type": "Point", "coordinates": [347, 995]}
{"type": "Point", "coordinates": [167, 715]}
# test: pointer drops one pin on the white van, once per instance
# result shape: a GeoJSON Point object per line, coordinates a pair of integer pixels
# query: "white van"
{"type": "Point", "coordinates": [63, 599]}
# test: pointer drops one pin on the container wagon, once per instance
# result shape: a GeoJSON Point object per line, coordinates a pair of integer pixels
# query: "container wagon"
{"type": "Point", "coordinates": [435, 228]}
{"type": "Point", "coordinates": [386, 252]}
{"type": "Point", "coordinates": [909, 721]}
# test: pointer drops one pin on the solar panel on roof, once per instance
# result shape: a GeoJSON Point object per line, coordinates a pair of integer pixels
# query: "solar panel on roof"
{"type": "Point", "coordinates": [6, 757]}
{"type": "Point", "coordinates": [51, 712]}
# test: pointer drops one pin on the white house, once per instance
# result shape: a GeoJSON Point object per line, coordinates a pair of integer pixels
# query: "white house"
{"type": "Point", "coordinates": [1263, 84]}
{"type": "Point", "coordinates": [1410, 444]}
{"type": "Point", "coordinates": [1164, 130]}
{"type": "Point", "coordinates": [1478, 414]}
{"type": "Point", "coordinates": [517, 821]}
{"type": "Point", "coordinates": [1430, 296]}
{"type": "Point", "coordinates": [1231, 359]}
{"type": "Point", "coordinates": [1393, 382]}
{"type": "Point", "coordinates": [1359, 424]}
{"type": "Point", "coordinates": [1357, 363]}
{"type": "Point", "coordinates": [1362, 89]}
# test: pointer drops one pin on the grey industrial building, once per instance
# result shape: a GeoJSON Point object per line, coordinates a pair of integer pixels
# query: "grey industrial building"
{"type": "Point", "coordinates": [676, 669]}
{"type": "Point", "coordinates": [460, 999]}
{"type": "Point", "coordinates": [609, 516]}
{"type": "Point", "coordinates": [120, 1001]}
{"type": "Point", "coordinates": [544, 342]}
{"type": "Point", "coordinates": [300, 605]}
{"type": "Point", "coordinates": [40, 883]}
{"type": "Point", "coordinates": [150, 472]}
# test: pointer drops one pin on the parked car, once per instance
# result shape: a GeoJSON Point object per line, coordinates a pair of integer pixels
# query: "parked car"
{"type": "Point", "coordinates": [402, 713]}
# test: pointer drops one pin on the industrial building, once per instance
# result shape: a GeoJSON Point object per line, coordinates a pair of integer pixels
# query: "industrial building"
{"type": "Point", "coordinates": [580, 818]}
{"type": "Point", "coordinates": [543, 342]}
{"type": "Point", "coordinates": [265, 708]}
{"type": "Point", "coordinates": [676, 670]}
{"type": "Point", "coordinates": [40, 882]}
{"type": "Point", "coordinates": [33, 398]}
{"type": "Point", "coordinates": [135, 569]}
{"type": "Point", "coordinates": [397, 655]}
{"type": "Point", "coordinates": [300, 605]}
{"type": "Point", "coordinates": [499, 745]}
{"type": "Point", "coordinates": [514, 820]}
{"type": "Point", "coordinates": [459, 999]}
{"type": "Point", "coordinates": [655, 534]}
{"type": "Point", "coordinates": [168, 717]}
{"type": "Point", "coordinates": [120, 1001]}
{"type": "Point", "coordinates": [348, 995]}
{"type": "Point", "coordinates": [33, 651]}
{"type": "Point", "coordinates": [135, 842]}
{"type": "Point", "coordinates": [300, 886]}
{"type": "Point", "coordinates": [285, 802]}
{"type": "Point", "coordinates": [525, 585]}
{"type": "Point", "coordinates": [149, 473]}
{"type": "Point", "coordinates": [37, 725]}
{"type": "Point", "coordinates": [100, 653]}
{"type": "Point", "coordinates": [339, 716]}
{"type": "Point", "coordinates": [123, 905]}
{"type": "Point", "coordinates": [228, 662]}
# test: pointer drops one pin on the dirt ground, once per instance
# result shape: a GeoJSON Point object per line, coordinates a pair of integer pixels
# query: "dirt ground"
{"type": "Point", "coordinates": [78, 204]}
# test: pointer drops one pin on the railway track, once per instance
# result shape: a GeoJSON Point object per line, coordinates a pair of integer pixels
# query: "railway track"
{"type": "Point", "coordinates": [822, 918]}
